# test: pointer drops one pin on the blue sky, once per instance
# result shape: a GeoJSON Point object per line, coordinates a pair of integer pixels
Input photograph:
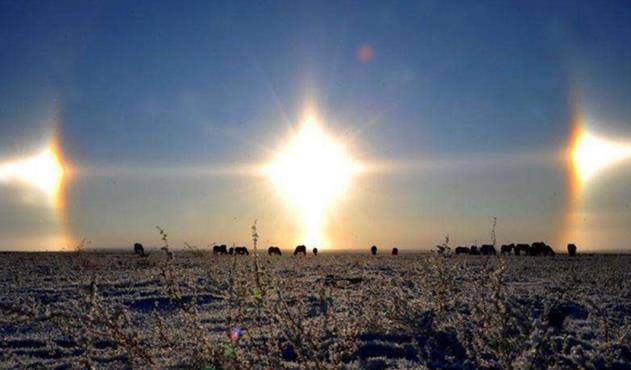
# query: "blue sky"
{"type": "Point", "coordinates": [144, 91]}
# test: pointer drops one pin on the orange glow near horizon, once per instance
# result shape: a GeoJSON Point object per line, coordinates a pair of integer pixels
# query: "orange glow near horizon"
{"type": "Point", "coordinates": [311, 172]}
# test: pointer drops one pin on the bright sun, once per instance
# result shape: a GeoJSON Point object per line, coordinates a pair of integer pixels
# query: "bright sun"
{"type": "Point", "coordinates": [311, 172]}
{"type": "Point", "coordinates": [43, 171]}
{"type": "Point", "coordinates": [591, 154]}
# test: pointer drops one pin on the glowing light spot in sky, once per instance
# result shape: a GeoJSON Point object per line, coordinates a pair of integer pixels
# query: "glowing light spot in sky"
{"type": "Point", "coordinates": [591, 154]}
{"type": "Point", "coordinates": [42, 171]}
{"type": "Point", "coordinates": [311, 172]}
{"type": "Point", "coordinates": [365, 53]}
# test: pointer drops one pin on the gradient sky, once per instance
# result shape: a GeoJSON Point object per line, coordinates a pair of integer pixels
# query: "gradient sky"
{"type": "Point", "coordinates": [163, 110]}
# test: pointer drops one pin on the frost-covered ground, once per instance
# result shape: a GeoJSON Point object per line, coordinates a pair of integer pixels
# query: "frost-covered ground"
{"type": "Point", "coordinates": [412, 311]}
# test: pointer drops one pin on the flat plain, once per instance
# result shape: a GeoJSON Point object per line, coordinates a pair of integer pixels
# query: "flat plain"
{"type": "Point", "coordinates": [204, 311]}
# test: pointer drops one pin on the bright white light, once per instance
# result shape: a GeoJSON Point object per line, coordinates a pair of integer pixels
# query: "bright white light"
{"type": "Point", "coordinates": [42, 171]}
{"type": "Point", "coordinates": [591, 154]}
{"type": "Point", "coordinates": [311, 172]}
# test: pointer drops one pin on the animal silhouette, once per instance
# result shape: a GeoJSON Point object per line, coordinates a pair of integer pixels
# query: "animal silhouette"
{"type": "Point", "coordinates": [463, 250]}
{"type": "Point", "coordinates": [301, 249]}
{"type": "Point", "coordinates": [138, 249]}
{"type": "Point", "coordinates": [220, 249]}
{"type": "Point", "coordinates": [521, 248]}
{"type": "Point", "coordinates": [243, 251]}
{"type": "Point", "coordinates": [487, 250]}
{"type": "Point", "coordinates": [507, 248]}
{"type": "Point", "coordinates": [274, 251]}
{"type": "Point", "coordinates": [540, 249]}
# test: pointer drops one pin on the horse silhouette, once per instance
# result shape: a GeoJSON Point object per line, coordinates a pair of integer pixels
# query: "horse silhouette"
{"type": "Point", "coordinates": [274, 251]}
{"type": "Point", "coordinates": [487, 250]}
{"type": "Point", "coordinates": [220, 249]}
{"type": "Point", "coordinates": [507, 248]}
{"type": "Point", "coordinates": [243, 251]}
{"type": "Point", "coordinates": [463, 250]}
{"type": "Point", "coordinates": [519, 248]}
{"type": "Point", "coordinates": [301, 249]}
{"type": "Point", "coordinates": [138, 249]}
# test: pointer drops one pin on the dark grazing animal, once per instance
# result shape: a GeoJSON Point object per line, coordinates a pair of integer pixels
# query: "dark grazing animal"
{"type": "Point", "coordinates": [138, 249]}
{"type": "Point", "coordinates": [519, 248]}
{"type": "Point", "coordinates": [274, 251]}
{"type": "Point", "coordinates": [315, 251]}
{"type": "Point", "coordinates": [373, 250]}
{"type": "Point", "coordinates": [508, 248]}
{"type": "Point", "coordinates": [241, 251]}
{"type": "Point", "coordinates": [220, 249]}
{"type": "Point", "coordinates": [536, 249]}
{"type": "Point", "coordinates": [487, 250]}
{"type": "Point", "coordinates": [395, 251]}
{"type": "Point", "coordinates": [541, 249]}
{"type": "Point", "coordinates": [462, 250]}
{"type": "Point", "coordinates": [231, 251]}
{"type": "Point", "coordinates": [300, 249]}
{"type": "Point", "coordinates": [571, 250]}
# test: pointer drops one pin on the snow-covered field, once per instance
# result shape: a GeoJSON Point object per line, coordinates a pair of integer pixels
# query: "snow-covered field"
{"type": "Point", "coordinates": [106, 310]}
